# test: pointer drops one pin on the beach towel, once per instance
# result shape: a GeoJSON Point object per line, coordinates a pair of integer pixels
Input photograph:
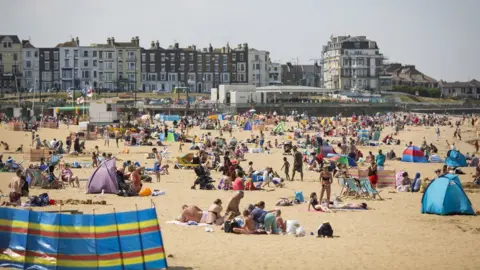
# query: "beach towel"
{"type": "Point", "coordinates": [190, 223]}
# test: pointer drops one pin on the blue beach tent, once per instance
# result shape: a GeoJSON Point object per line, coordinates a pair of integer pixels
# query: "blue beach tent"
{"type": "Point", "coordinates": [248, 126]}
{"type": "Point", "coordinates": [455, 159]}
{"type": "Point", "coordinates": [445, 196]}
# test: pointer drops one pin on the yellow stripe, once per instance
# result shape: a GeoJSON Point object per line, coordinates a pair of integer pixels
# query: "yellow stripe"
{"type": "Point", "coordinates": [80, 229]}
{"type": "Point", "coordinates": [72, 263]}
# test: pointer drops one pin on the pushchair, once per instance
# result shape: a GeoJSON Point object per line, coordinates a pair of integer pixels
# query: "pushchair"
{"type": "Point", "coordinates": [287, 148]}
{"type": "Point", "coordinates": [203, 179]}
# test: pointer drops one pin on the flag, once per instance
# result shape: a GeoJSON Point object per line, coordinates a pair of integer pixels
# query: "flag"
{"type": "Point", "coordinates": [70, 94]}
{"type": "Point", "coordinates": [90, 92]}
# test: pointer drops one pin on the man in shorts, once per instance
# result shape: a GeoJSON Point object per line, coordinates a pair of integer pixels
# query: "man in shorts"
{"type": "Point", "coordinates": [158, 163]}
{"type": "Point", "coordinates": [297, 163]}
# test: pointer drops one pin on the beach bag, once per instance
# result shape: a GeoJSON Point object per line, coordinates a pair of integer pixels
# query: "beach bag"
{"type": "Point", "coordinates": [325, 230]}
{"type": "Point", "coordinates": [292, 226]}
{"type": "Point", "coordinates": [229, 225]}
{"type": "Point", "coordinates": [299, 197]}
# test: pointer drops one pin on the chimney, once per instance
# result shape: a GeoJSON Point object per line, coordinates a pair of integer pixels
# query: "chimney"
{"type": "Point", "coordinates": [133, 40]}
{"type": "Point", "coordinates": [152, 44]}
{"type": "Point", "coordinates": [78, 41]}
{"type": "Point", "coordinates": [239, 46]}
{"type": "Point", "coordinates": [176, 45]}
{"type": "Point", "coordinates": [157, 45]}
{"type": "Point", "coordinates": [113, 41]}
{"type": "Point", "coordinates": [210, 48]}
{"type": "Point", "coordinates": [108, 41]}
{"type": "Point", "coordinates": [137, 41]}
{"type": "Point", "coordinates": [245, 45]}
{"type": "Point", "coordinates": [194, 47]}
{"type": "Point", "coordinates": [223, 49]}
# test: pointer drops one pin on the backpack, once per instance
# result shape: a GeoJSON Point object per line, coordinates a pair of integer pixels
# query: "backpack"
{"type": "Point", "coordinates": [229, 225]}
{"type": "Point", "coordinates": [325, 230]}
{"type": "Point", "coordinates": [299, 197]}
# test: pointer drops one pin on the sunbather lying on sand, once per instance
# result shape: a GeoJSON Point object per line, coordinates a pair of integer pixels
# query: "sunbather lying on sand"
{"type": "Point", "coordinates": [192, 213]}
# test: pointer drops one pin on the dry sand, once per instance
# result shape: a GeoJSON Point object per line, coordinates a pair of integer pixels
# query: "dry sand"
{"type": "Point", "coordinates": [392, 235]}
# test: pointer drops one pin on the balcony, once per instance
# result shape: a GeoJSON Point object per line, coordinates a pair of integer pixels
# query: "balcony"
{"type": "Point", "coordinates": [131, 58]}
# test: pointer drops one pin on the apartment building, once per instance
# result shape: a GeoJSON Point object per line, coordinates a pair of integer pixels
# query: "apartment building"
{"type": "Point", "coordinates": [470, 89]}
{"type": "Point", "coordinates": [305, 75]}
{"type": "Point", "coordinates": [10, 62]}
{"type": "Point", "coordinates": [198, 69]}
{"type": "Point", "coordinates": [69, 63]}
{"type": "Point", "coordinates": [275, 73]}
{"type": "Point", "coordinates": [31, 67]}
{"type": "Point", "coordinates": [49, 68]}
{"type": "Point", "coordinates": [351, 63]}
{"type": "Point", "coordinates": [88, 67]}
{"type": "Point", "coordinates": [128, 64]}
{"type": "Point", "coordinates": [258, 63]}
{"type": "Point", "coordinates": [107, 65]}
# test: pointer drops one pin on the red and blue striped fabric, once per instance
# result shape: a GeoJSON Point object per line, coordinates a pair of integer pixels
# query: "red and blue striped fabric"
{"type": "Point", "coordinates": [38, 240]}
{"type": "Point", "coordinates": [413, 154]}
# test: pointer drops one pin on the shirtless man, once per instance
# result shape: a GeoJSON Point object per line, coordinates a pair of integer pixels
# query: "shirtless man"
{"type": "Point", "coordinates": [136, 181]}
{"type": "Point", "coordinates": [15, 190]}
{"type": "Point", "coordinates": [158, 163]}
{"type": "Point", "coordinates": [248, 224]}
{"type": "Point", "coordinates": [233, 206]}
{"type": "Point", "coordinates": [192, 213]}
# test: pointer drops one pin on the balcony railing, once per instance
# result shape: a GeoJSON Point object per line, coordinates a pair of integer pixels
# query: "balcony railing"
{"type": "Point", "coordinates": [131, 58]}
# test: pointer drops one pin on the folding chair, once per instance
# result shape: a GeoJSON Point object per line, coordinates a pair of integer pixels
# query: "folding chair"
{"type": "Point", "coordinates": [370, 189]}
{"type": "Point", "coordinates": [352, 187]}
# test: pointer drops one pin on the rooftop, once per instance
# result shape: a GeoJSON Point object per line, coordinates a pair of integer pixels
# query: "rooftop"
{"type": "Point", "coordinates": [472, 83]}
{"type": "Point", "coordinates": [407, 73]}
{"type": "Point", "coordinates": [14, 38]}
{"type": "Point", "coordinates": [293, 89]}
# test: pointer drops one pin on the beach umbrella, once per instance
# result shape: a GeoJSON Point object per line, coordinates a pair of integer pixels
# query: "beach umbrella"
{"type": "Point", "coordinates": [346, 160]}
{"type": "Point", "coordinates": [252, 110]}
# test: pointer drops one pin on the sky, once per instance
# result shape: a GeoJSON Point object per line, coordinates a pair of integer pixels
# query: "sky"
{"type": "Point", "coordinates": [439, 37]}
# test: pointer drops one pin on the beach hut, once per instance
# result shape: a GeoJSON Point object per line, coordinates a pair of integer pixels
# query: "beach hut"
{"type": "Point", "coordinates": [248, 126]}
{"type": "Point", "coordinates": [414, 154]}
{"type": "Point", "coordinates": [104, 178]}
{"type": "Point", "coordinates": [455, 159]}
{"type": "Point", "coordinates": [445, 196]}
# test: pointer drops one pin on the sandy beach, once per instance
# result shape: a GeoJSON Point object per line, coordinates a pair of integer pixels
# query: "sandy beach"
{"type": "Point", "coordinates": [393, 234]}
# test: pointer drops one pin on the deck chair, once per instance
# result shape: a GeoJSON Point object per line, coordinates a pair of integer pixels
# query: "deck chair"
{"type": "Point", "coordinates": [375, 138]}
{"type": "Point", "coordinates": [351, 186]}
{"type": "Point", "coordinates": [372, 192]}
{"type": "Point", "coordinates": [183, 164]}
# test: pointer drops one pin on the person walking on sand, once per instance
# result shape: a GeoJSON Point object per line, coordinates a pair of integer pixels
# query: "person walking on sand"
{"type": "Point", "coordinates": [118, 136]}
{"type": "Point", "coordinates": [106, 136]}
{"type": "Point", "coordinates": [158, 163]}
{"type": "Point", "coordinates": [437, 132]}
{"type": "Point", "coordinates": [297, 163]}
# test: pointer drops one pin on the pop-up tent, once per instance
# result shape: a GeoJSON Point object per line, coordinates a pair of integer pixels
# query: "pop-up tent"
{"type": "Point", "coordinates": [445, 196]}
{"type": "Point", "coordinates": [414, 154]}
{"type": "Point", "coordinates": [104, 178]}
{"type": "Point", "coordinates": [455, 159]}
{"type": "Point", "coordinates": [248, 126]}
{"type": "Point", "coordinates": [280, 128]}
{"type": "Point", "coordinates": [172, 137]}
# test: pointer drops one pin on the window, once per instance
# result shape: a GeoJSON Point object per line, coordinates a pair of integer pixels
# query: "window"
{"type": "Point", "coordinates": [94, 63]}
{"type": "Point", "coordinates": [242, 67]}
{"type": "Point", "coordinates": [85, 53]}
{"type": "Point", "coordinates": [152, 77]}
{"type": "Point", "coordinates": [144, 57]}
{"type": "Point", "coordinates": [75, 53]}
{"type": "Point", "coordinates": [36, 54]}
{"type": "Point", "coordinates": [241, 57]}
{"type": "Point", "coordinates": [109, 65]}
{"type": "Point", "coordinates": [225, 68]}
{"type": "Point", "coordinates": [199, 58]}
{"type": "Point", "coordinates": [120, 66]}
{"type": "Point", "coordinates": [182, 57]}
{"type": "Point", "coordinates": [207, 67]}
{"type": "Point", "coordinates": [67, 63]}
{"type": "Point", "coordinates": [162, 66]}
{"type": "Point", "coordinates": [199, 67]}
{"type": "Point", "coordinates": [152, 67]}
{"type": "Point", "coordinates": [182, 77]}
{"type": "Point", "coordinates": [75, 74]}
{"type": "Point", "coordinates": [55, 65]}
{"type": "Point", "coordinates": [234, 67]}
{"type": "Point", "coordinates": [172, 57]}
{"type": "Point", "coordinates": [257, 58]}
{"type": "Point", "coordinates": [207, 58]}
{"type": "Point", "coordinates": [94, 53]}
{"type": "Point", "coordinates": [190, 57]}
{"type": "Point", "coordinates": [95, 74]}
{"type": "Point", "coordinates": [85, 74]}
{"type": "Point", "coordinates": [109, 107]}
{"type": "Point", "coordinates": [162, 77]}
{"type": "Point", "coordinates": [225, 59]}
{"type": "Point", "coordinates": [217, 77]}
{"type": "Point", "coordinates": [234, 57]}
{"type": "Point", "coordinates": [109, 55]}
{"type": "Point", "coordinates": [172, 67]}
{"type": "Point", "coordinates": [242, 77]}
{"type": "Point", "coordinates": [131, 77]}
{"type": "Point", "coordinates": [182, 67]}
{"type": "Point", "coordinates": [144, 76]}
{"type": "Point", "coordinates": [191, 68]}
{"type": "Point", "coordinates": [28, 64]}
{"type": "Point", "coordinates": [85, 63]}
{"type": "Point", "coordinates": [226, 77]}
{"type": "Point", "coordinates": [234, 76]}
{"type": "Point", "coordinates": [47, 65]}
{"type": "Point", "coordinates": [75, 63]}
{"type": "Point", "coordinates": [152, 57]}
{"type": "Point", "coordinates": [144, 68]}
{"type": "Point", "coordinates": [216, 68]}
{"type": "Point", "coordinates": [100, 54]}
{"type": "Point", "coordinates": [47, 55]}
{"type": "Point", "coordinates": [67, 53]}
{"type": "Point", "coordinates": [162, 57]}
{"type": "Point", "coordinates": [131, 66]}
{"type": "Point", "coordinates": [216, 58]}
{"type": "Point", "coordinates": [28, 54]}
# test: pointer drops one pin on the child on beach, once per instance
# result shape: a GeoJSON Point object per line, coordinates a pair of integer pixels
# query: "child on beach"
{"type": "Point", "coordinates": [286, 166]}
{"type": "Point", "coordinates": [248, 224]}
{"type": "Point", "coordinates": [281, 226]}
{"type": "Point", "coordinates": [94, 160]}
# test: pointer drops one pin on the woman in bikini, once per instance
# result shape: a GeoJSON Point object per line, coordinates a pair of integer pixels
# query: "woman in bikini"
{"type": "Point", "coordinates": [314, 202]}
{"type": "Point", "coordinates": [326, 180]}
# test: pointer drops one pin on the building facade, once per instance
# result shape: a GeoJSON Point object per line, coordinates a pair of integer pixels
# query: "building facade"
{"type": "Point", "coordinates": [88, 67]}
{"type": "Point", "coordinates": [408, 75]}
{"type": "Point", "coordinates": [31, 67]}
{"type": "Point", "coordinates": [351, 63]}
{"type": "Point", "coordinates": [107, 65]}
{"type": "Point", "coordinates": [49, 69]}
{"type": "Point", "coordinates": [258, 63]}
{"type": "Point", "coordinates": [305, 75]}
{"type": "Point", "coordinates": [275, 73]}
{"type": "Point", "coordinates": [10, 62]}
{"type": "Point", "coordinates": [470, 89]}
{"type": "Point", "coordinates": [199, 70]}
{"type": "Point", "coordinates": [69, 63]}
{"type": "Point", "coordinates": [128, 64]}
